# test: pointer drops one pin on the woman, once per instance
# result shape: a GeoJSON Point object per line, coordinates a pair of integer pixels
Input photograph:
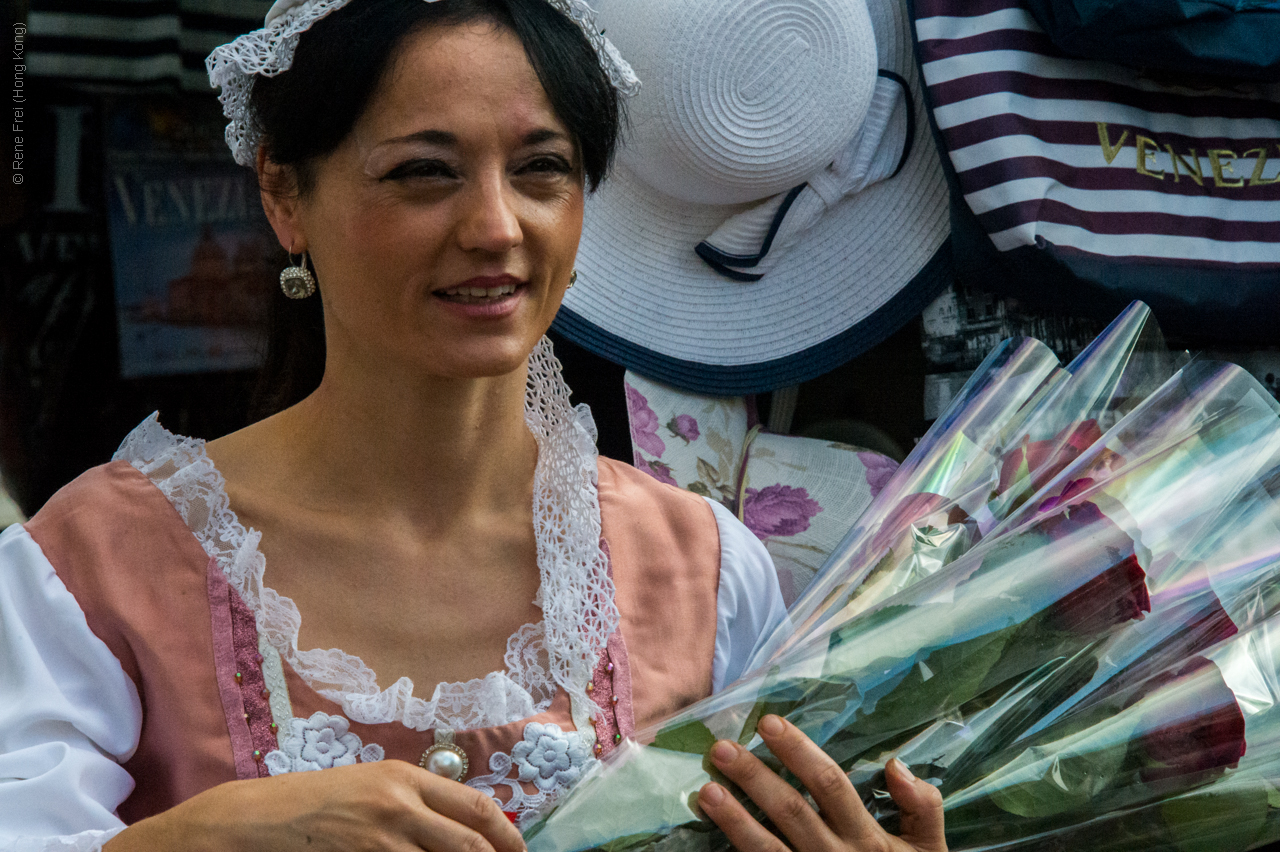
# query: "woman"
{"type": "Point", "coordinates": [434, 507]}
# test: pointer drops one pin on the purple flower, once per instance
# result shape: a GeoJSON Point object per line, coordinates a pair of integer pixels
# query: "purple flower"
{"type": "Point", "coordinates": [684, 426]}
{"type": "Point", "coordinates": [880, 470]}
{"type": "Point", "coordinates": [656, 469]}
{"type": "Point", "coordinates": [778, 510]}
{"type": "Point", "coordinates": [644, 423]}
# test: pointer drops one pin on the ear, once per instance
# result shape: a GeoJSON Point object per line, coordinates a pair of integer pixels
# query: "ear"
{"type": "Point", "coordinates": [281, 203]}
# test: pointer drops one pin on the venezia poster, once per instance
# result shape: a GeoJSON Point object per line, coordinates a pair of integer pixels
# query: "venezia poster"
{"type": "Point", "coordinates": [194, 261]}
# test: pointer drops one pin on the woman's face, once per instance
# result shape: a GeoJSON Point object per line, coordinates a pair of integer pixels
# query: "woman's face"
{"type": "Point", "coordinates": [444, 228]}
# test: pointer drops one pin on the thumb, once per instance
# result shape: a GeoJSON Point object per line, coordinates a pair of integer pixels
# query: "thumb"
{"type": "Point", "coordinates": [920, 808]}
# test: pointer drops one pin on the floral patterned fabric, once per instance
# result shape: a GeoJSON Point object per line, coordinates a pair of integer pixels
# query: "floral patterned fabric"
{"type": "Point", "coordinates": [798, 495]}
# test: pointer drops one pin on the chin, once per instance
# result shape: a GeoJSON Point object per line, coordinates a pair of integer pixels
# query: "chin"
{"type": "Point", "coordinates": [488, 359]}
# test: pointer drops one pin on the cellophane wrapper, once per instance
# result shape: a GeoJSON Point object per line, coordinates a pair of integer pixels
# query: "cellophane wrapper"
{"type": "Point", "coordinates": [1062, 574]}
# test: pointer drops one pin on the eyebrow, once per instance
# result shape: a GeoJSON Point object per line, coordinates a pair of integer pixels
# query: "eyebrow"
{"type": "Point", "coordinates": [448, 140]}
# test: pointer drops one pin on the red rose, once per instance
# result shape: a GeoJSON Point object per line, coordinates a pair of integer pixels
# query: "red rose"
{"type": "Point", "coordinates": [1117, 593]}
{"type": "Point", "coordinates": [1193, 626]}
{"type": "Point", "coordinates": [1212, 740]}
{"type": "Point", "coordinates": [1043, 460]}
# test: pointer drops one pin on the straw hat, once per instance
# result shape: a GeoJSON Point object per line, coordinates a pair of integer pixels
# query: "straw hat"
{"type": "Point", "coordinates": [778, 206]}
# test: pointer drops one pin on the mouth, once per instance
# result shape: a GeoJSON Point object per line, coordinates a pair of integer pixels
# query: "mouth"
{"type": "Point", "coordinates": [479, 291]}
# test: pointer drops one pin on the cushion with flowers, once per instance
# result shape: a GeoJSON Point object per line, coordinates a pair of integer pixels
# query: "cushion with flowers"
{"type": "Point", "coordinates": [798, 495]}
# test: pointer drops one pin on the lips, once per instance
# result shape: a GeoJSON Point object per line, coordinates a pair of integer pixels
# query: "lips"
{"type": "Point", "coordinates": [481, 290]}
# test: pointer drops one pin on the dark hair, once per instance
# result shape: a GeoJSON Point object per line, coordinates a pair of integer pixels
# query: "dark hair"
{"type": "Point", "coordinates": [306, 112]}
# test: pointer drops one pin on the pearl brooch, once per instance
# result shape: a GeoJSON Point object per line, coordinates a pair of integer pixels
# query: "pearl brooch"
{"type": "Point", "coordinates": [445, 760]}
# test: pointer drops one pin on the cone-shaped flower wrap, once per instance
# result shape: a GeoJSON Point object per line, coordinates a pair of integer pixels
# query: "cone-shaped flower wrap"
{"type": "Point", "coordinates": [1074, 562]}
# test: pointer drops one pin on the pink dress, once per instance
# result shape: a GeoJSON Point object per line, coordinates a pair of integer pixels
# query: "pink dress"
{"type": "Point", "coordinates": [157, 565]}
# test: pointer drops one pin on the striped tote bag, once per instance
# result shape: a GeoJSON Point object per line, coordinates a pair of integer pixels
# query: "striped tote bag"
{"type": "Point", "coordinates": [1079, 184]}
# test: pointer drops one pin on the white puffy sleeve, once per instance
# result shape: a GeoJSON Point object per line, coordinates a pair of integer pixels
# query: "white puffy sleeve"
{"type": "Point", "coordinates": [69, 715]}
{"type": "Point", "coordinates": [749, 602]}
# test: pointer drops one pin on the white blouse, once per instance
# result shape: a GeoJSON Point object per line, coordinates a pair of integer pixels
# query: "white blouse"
{"type": "Point", "coordinates": [69, 715]}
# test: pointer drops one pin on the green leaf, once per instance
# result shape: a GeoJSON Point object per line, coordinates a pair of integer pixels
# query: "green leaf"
{"type": "Point", "coordinates": [692, 737]}
{"type": "Point", "coordinates": [1273, 796]}
{"type": "Point", "coordinates": [707, 472]}
{"type": "Point", "coordinates": [700, 488]}
{"type": "Point", "coordinates": [943, 680]}
{"type": "Point", "coordinates": [1065, 785]}
{"type": "Point", "coordinates": [762, 708]}
{"type": "Point", "coordinates": [1212, 821]}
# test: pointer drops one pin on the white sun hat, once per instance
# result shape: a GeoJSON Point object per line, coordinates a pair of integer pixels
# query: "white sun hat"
{"type": "Point", "coordinates": [778, 206]}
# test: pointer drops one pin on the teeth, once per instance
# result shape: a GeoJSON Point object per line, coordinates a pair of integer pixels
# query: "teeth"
{"type": "Point", "coordinates": [482, 292]}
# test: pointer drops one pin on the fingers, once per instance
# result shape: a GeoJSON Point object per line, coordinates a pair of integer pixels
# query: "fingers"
{"type": "Point", "coordinates": [831, 789]}
{"type": "Point", "coordinates": [841, 821]}
{"type": "Point", "coordinates": [743, 832]}
{"type": "Point", "coordinates": [920, 808]}
{"type": "Point", "coordinates": [785, 805]}
{"type": "Point", "coordinates": [439, 834]}
{"type": "Point", "coordinates": [464, 819]}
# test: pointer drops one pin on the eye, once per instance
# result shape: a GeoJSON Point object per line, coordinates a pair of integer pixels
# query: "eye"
{"type": "Point", "coordinates": [421, 168]}
{"type": "Point", "coordinates": [550, 164]}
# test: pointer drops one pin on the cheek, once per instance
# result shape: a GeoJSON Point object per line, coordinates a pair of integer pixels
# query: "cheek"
{"type": "Point", "coordinates": [373, 246]}
{"type": "Point", "coordinates": [560, 223]}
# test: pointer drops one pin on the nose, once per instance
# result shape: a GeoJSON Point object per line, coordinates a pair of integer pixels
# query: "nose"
{"type": "Point", "coordinates": [489, 222]}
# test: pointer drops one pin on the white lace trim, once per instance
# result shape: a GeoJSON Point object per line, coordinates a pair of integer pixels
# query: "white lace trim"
{"type": "Point", "coordinates": [576, 593]}
{"type": "Point", "coordinates": [549, 759]}
{"type": "Point", "coordinates": [269, 51]}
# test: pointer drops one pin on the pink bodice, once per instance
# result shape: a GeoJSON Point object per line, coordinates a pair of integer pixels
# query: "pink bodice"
{"type": "Point", "coordinates": [191, 645]}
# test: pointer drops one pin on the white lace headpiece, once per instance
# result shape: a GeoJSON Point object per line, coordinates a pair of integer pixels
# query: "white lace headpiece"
{"type": "Point", "coordinates": [269, 51]}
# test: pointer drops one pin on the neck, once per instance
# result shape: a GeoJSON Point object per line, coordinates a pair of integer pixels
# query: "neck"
{"type": "Point", "coordinates": [427, 449]}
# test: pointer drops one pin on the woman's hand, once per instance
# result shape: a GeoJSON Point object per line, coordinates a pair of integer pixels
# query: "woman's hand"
{"type": "Point", "coordinates": [389, 806]}
{"type": "Point", "coordinates": [840, 823]}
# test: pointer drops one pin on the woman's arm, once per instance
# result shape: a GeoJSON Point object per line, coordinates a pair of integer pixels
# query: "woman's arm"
{"type": "Point", "coordinates": [388, 806]}
{"type": "Point", "coordinates": [68, 713]}
{"type": "Point", "coordinates": [749, 601]}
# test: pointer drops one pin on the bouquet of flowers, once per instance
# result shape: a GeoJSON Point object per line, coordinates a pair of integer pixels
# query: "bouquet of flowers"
{"type": "Point", "coordinates": [1068, 575]}
{"type": "Point", "coordinates": [1017, 422]}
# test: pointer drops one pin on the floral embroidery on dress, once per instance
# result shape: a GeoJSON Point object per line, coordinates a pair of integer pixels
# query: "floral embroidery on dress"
{"type": "Point", "coordinates": [321, 742]}
{"type": "Point", "coordinates": [547, 758]}
{"type": "Point", "coordinates": [550, 757]}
